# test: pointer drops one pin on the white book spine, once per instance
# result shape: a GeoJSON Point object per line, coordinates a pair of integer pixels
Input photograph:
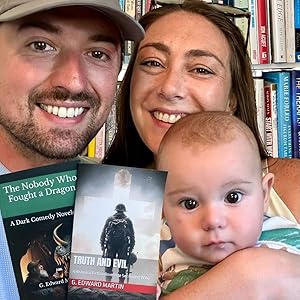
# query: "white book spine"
{"type": "Point", "coordinates": [278, 31]}
{"type": "Point", "coordinates": [260, 106]}
{"type": "Point", "coordinates": [289, 30]}
{"type": "Point", "coordinates": [253, 33]}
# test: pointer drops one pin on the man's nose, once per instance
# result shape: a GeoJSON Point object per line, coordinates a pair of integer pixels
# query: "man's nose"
{"type": "Point", "coordinates": [69, 72]}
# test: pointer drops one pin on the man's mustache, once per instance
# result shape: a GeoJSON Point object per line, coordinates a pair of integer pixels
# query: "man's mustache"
{"type": "Point", "coordinates": [61, 94]}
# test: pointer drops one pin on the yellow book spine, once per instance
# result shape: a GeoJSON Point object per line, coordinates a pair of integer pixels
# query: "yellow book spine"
{"type": "Point", "coordinates": [92, 148]}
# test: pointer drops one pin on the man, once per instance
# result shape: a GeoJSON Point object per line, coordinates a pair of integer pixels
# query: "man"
{"type": "Point", "coordinates": [59, 65]}
{"type": "Point", "coordinates": [37, 276]}
{"type": "Point", "coordinates": [117, 238]}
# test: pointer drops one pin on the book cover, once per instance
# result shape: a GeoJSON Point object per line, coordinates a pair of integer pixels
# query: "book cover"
{"type": "Point", "coordinates": [278, 38]}
{"type": "Point", "coordinates": [295, 103]}
{"type": "Point", "coordinates": [37, 211]}
{"type": "Point", "coordinates": [271, 118]}
{"type": "Point", "coordinates": [116, 233]}
{"type": "Point", "coordinates": [262, 32]}
{"type": "Point", "coordinates": [284, 119]}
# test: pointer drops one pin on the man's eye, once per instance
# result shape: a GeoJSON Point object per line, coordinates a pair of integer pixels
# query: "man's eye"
{"type": "Point", "coordinates": [98, 55]}
{"type": "Point", "coordinates": [151, 63]}
{"type": "Point", "coordinates": [233, 197]}
{"type": "Point", "coordinates": [41, 46]}
{"type": "Point", "coordinates": [189, 203]}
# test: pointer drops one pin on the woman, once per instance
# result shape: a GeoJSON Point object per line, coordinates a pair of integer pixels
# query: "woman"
{"type": "Point", "coordinates": [137, 147]}
{"type": "Point", "coordinates": [193, 58]}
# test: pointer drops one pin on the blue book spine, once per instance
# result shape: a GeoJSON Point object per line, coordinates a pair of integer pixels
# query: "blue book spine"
{"type": "Point", "coordinates": [297, 29]}
{"type": "Point", "coordinates": [121, 4]}
{"type": "Point", "coordinates": [295, 104]}
{"type": "Point", "coordinates": [284, 118]}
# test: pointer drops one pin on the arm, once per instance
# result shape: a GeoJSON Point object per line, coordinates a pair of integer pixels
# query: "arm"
{"type": "Point", "coordinates": [253, 273]}
{"type": "Point", "coordinates": [287, 178]}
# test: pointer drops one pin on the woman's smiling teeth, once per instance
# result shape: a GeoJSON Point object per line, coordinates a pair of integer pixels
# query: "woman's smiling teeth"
{"type": "Point", "coordinates": [63, 112]}
{"type": "Point", "coordinates": [167, 118]}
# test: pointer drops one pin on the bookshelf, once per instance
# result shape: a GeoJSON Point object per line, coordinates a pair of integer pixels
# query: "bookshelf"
{"type": "Point", "coordinates": [281, 34]}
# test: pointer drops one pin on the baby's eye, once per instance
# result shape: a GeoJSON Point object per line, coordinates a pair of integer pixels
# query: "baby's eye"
{"type": "Point", "coordinates": [233, 197]}
{"type": "Point", "coordinates": [40, 46]}
{"type": "Point", "coordinates": [189, 203]}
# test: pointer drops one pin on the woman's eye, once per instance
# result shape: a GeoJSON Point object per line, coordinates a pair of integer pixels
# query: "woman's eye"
{"type": "Point", "coordinates": [100, 55]}
{"type": "Point", "coordinates": [202, 71]}
{"type": "Point", "coordinates": [41, 46]}
{"type": "Point", "coordinates": [233, 197]}
{"type": "Point", "coordinates": [189, 204]}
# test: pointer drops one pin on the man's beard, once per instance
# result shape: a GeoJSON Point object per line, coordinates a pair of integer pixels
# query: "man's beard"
{"type": "Point", "coordinates": [55, 143]}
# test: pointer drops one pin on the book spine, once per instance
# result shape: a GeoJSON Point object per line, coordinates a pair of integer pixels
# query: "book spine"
{"type": "Point", "coordinates": [121, 2]}
{"type": "Point", "coordinates": [100, 144]}
{"type": "Point", "coordinates": [91, 148]}
{"type": "Point", "coordinates": [253, 33]}
{"type": "Point", "coordinates": [278, 31]}
{"type": "Point", "coordinates": [138, 9]}
{"type": "Point", "coordinates": [260, 106]}
{"type": "Point", "coordinates": [130, 10]}
{"type": "Point", "coordinates": [289, 30]}
{"type": "Point", "coordinates": [282, 80]}
{"type": "Point", "coordinates": [241, 4]}
{"type": "Point", "coordinates": [295, 103]}
{"type": "Point", "coordinates": [297, 29]}
{"type": "Point", "coordinates": [262, 33]}
{"type": "Point", "coordinates": [270, 118]}
{"type": "Point", "coordinates": [285, 119]}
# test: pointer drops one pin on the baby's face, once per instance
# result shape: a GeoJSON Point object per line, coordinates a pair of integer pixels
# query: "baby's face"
{"type": "Point", "coordinates": [214, 198]}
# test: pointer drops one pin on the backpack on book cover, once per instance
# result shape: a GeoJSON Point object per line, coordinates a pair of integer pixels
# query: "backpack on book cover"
{"type": "Point", "coordinates": [117, 230]}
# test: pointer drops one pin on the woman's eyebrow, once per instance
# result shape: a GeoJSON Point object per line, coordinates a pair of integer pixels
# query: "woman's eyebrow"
{"type": "Point", "coordinates": [200, 53]}
{"type": "Point", "coordinates": [158, 46]}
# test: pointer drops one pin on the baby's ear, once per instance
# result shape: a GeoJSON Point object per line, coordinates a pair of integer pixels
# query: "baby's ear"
{"type": "Point", "coordinates": [267, 183]}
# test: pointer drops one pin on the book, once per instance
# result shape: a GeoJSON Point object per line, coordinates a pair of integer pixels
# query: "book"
{"type": "Point", "coordinates": [295, 103]}
{"type": "Point", "coordinates": [297, 29]}
{"type": "Point", "coordinates": [253, 38]}
{"type": "Point", "coordinates": [262, 32]}
{"type": "Point", "coordinates": [96, 271]}
{"type": "Point", "coordinates": [289, 30]}
{"type": "Point", "coordinates": [284, 119]}
{"type": "Point", "coordinates": [278, 38]}
{"type": "Point", "coordinates": [37, 211]}
{"type": "Point", "coordinates": [260, 106]}
{"type": "Point", "coordinates": [271, 118]}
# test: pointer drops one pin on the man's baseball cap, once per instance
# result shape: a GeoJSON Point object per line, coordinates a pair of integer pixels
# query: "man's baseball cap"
{"type": "Point", "coordinates": [130, 29]}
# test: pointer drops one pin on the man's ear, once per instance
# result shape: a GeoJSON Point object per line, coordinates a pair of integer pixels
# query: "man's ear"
{"type": "Point", "coordinates": [267, 183]}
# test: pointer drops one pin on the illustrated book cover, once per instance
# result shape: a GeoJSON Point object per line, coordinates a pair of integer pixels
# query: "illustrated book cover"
{"type": "Point", "coordinates": [116, 233]}
{"type": "Point", "coordinates": [37, 211]}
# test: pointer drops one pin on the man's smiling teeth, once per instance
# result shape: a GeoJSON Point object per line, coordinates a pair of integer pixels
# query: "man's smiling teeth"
{"type": "Point", "coordinates": [63, 112]}
{"type": "Point", "coordinates": [168, 118]}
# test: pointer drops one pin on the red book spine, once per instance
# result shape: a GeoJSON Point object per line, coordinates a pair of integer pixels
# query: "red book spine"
{"type": "Point", "coordinates": [263, 32]}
